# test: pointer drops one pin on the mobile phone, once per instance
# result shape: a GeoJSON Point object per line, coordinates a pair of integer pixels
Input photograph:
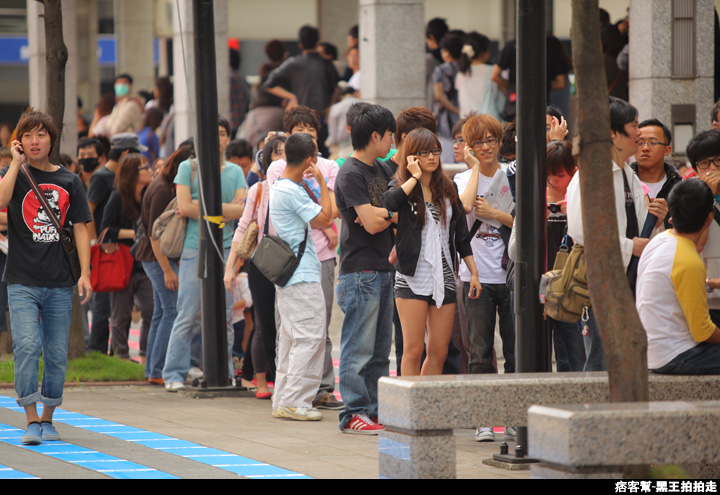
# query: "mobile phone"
{"type": "Point", "coordinates": [474, 292]}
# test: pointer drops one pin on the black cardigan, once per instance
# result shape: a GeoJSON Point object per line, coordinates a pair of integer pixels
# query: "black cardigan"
{"type": "Point", "coordinates": [409, 231]}
{"type": "Point", "coordinates": [114, 221]}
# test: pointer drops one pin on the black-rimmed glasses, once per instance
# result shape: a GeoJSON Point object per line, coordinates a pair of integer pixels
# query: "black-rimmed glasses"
{"type": "Point", "coordinates": [706, 162]}
{"type": "Point", "coordinates": [436, 152]}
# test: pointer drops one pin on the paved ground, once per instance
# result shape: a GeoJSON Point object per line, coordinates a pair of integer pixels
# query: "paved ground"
{"type": "Point", "coordinates": [141, 431]}
{"type": "Point", "coordinates": [239, 426]}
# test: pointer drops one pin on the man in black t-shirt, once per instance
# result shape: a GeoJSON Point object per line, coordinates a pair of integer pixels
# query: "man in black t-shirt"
{"type": "Point", "coordinates": [364, 287]}
{"type": "Point", "coordinates": [40, 283]}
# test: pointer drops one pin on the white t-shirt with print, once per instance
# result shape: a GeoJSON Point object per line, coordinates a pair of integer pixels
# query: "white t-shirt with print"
{"type": "Point", "coordinates": [487, 243]}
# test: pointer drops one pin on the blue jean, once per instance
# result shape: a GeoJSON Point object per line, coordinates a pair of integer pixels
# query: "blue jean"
{"type": "Point", "coordinates": [569, 345]}
{"type": "Point", "coordinates": [40, 323]}
{"type": "Point", "coordinates": [164, 313]}
{"type": "Point", "coordinates": [3, 294]}
{"type": "Point", "coordinates": [595, 356]}
{"type": "Point", "coordinates": [703, 359]}
{"type": "Point", "coordinates": [366, 298]}
{"type": "Point", "coordinates": [187, 323]}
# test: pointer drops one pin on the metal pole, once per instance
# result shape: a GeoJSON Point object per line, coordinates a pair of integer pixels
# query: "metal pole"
{"type": "Point", "coordinates": [532, 351]}
{"type": "Point", "coordinates": [210, 265]}
{"type": "Point", "coordinates": [532, 341]}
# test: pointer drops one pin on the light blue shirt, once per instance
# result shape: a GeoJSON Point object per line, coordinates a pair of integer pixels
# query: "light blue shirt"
{"type": "Point", "coordinates": [291, 210]}
{"type": "Point", "coordinates": [231, 179]}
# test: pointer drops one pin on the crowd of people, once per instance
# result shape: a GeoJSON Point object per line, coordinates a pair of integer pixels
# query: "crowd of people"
{"type": "Point", "coordinates": [425, 259]}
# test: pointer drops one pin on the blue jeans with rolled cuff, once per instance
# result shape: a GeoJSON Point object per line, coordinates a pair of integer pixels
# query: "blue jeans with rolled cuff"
{"type": "Point", "coordinates": [40, 319]}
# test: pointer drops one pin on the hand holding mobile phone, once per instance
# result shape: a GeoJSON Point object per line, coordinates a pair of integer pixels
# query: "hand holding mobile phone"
{"type": "Point", "coordinates": [17, 151]}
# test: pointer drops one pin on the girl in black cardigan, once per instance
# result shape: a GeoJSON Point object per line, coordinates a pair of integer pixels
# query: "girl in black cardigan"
{"type": "Point", "coordinates": [121, 212]}
{"type": "Point", "coordinates": [432, 230]}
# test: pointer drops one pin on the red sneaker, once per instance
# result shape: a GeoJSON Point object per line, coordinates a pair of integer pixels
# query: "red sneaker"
{"type": "Point", "coordinates": [362, 425]}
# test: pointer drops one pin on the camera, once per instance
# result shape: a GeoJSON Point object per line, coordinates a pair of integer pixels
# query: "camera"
{"type": "Point", "coordinates": [554, 207]}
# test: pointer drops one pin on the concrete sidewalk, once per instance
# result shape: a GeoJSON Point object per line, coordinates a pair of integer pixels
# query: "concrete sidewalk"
{"type": "Point", "coordinates": [242, 426]}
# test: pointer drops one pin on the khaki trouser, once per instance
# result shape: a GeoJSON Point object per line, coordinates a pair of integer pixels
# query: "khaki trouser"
{"type": "Point", "coordinates": [300, 344]}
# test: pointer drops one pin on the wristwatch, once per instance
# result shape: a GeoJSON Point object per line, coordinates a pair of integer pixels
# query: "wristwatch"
{"type": "Point", "coordinates": [390, 216]}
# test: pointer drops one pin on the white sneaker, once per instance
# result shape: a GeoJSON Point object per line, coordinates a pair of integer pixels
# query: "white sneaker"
{"type": "Point", "coordinates": [511, 431]}
{"type": "Point", "coordinates": [174, 386]}
{"type": "Point", "coordinates": [298, 413]}
{"type": "Point", "coordinates": [194, 373]}
{"type": "Point", "coordinates": [484, 434]}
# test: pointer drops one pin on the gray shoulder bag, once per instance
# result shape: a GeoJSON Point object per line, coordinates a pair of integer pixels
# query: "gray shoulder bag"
{"type": "Point", "coordinates": [275, 258]}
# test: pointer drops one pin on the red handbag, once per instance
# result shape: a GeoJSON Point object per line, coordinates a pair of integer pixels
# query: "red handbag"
{"type": "Point", "coordinates": [112, 266]}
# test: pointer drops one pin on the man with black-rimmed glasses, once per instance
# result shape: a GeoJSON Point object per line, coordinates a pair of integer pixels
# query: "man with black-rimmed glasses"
{"type": "Point", "coordinates": [654, 145]}
{"type": "Point", "coordinates": [704, 154]}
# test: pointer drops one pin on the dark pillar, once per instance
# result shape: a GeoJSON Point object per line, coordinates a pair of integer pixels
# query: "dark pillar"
{"type": "Point", "coordinates": [532, 341]}
{"type": "Point", "coordinates": [211, 265]}
{"type": "Point", "coordinates": [532, 349]}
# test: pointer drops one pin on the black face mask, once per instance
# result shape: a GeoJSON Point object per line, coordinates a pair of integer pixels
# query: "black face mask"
{"type": "Point", "coordinates": [88, 164]}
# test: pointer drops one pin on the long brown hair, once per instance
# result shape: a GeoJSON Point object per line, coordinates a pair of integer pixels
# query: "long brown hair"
{"type": "Point", "coordinates": [125, 182]}
{"type": "Point", "coordinates": [170, 168]}
{"type": "Point", "coordinates": [441, 186]}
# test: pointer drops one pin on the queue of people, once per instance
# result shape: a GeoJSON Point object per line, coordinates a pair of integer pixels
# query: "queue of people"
{"type": "Point", "coordinates": [425, 259]}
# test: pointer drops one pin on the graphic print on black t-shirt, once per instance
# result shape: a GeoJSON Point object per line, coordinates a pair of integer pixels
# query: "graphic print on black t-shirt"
{"type": "Point", "coordinates": [38, 220]}
{"type": "Point", "coordinates": [376, 187]}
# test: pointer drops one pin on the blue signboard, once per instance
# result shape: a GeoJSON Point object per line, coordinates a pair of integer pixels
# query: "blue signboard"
{"type": "Point", "coordinates": [14, 50]}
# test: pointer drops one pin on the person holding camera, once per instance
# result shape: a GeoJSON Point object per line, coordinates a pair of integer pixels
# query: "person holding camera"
{"type": "Point", "coordinates": [631, 207]}
{"type": "Point", "coordinates": [561, 167]}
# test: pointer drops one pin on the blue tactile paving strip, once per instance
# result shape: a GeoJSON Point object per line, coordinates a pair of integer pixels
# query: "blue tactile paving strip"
{"type": "Point", "coordinates": [233, 463]}
{"type": "Point", "coordinates": [80, 456]}
{"type": "Point", "coordinates": [7, 473]}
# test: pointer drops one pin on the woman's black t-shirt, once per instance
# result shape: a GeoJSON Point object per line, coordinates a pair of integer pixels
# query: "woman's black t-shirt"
{"type": "Point", "coordinates": [35, 256]}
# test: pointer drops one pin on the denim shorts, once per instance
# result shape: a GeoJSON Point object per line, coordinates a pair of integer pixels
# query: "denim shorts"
{"type": "Point", "coordinates": [407, 293]}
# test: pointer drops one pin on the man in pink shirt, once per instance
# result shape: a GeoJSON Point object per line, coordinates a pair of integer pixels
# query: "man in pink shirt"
{"type": "Point", "coordinates": [303, 119]}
